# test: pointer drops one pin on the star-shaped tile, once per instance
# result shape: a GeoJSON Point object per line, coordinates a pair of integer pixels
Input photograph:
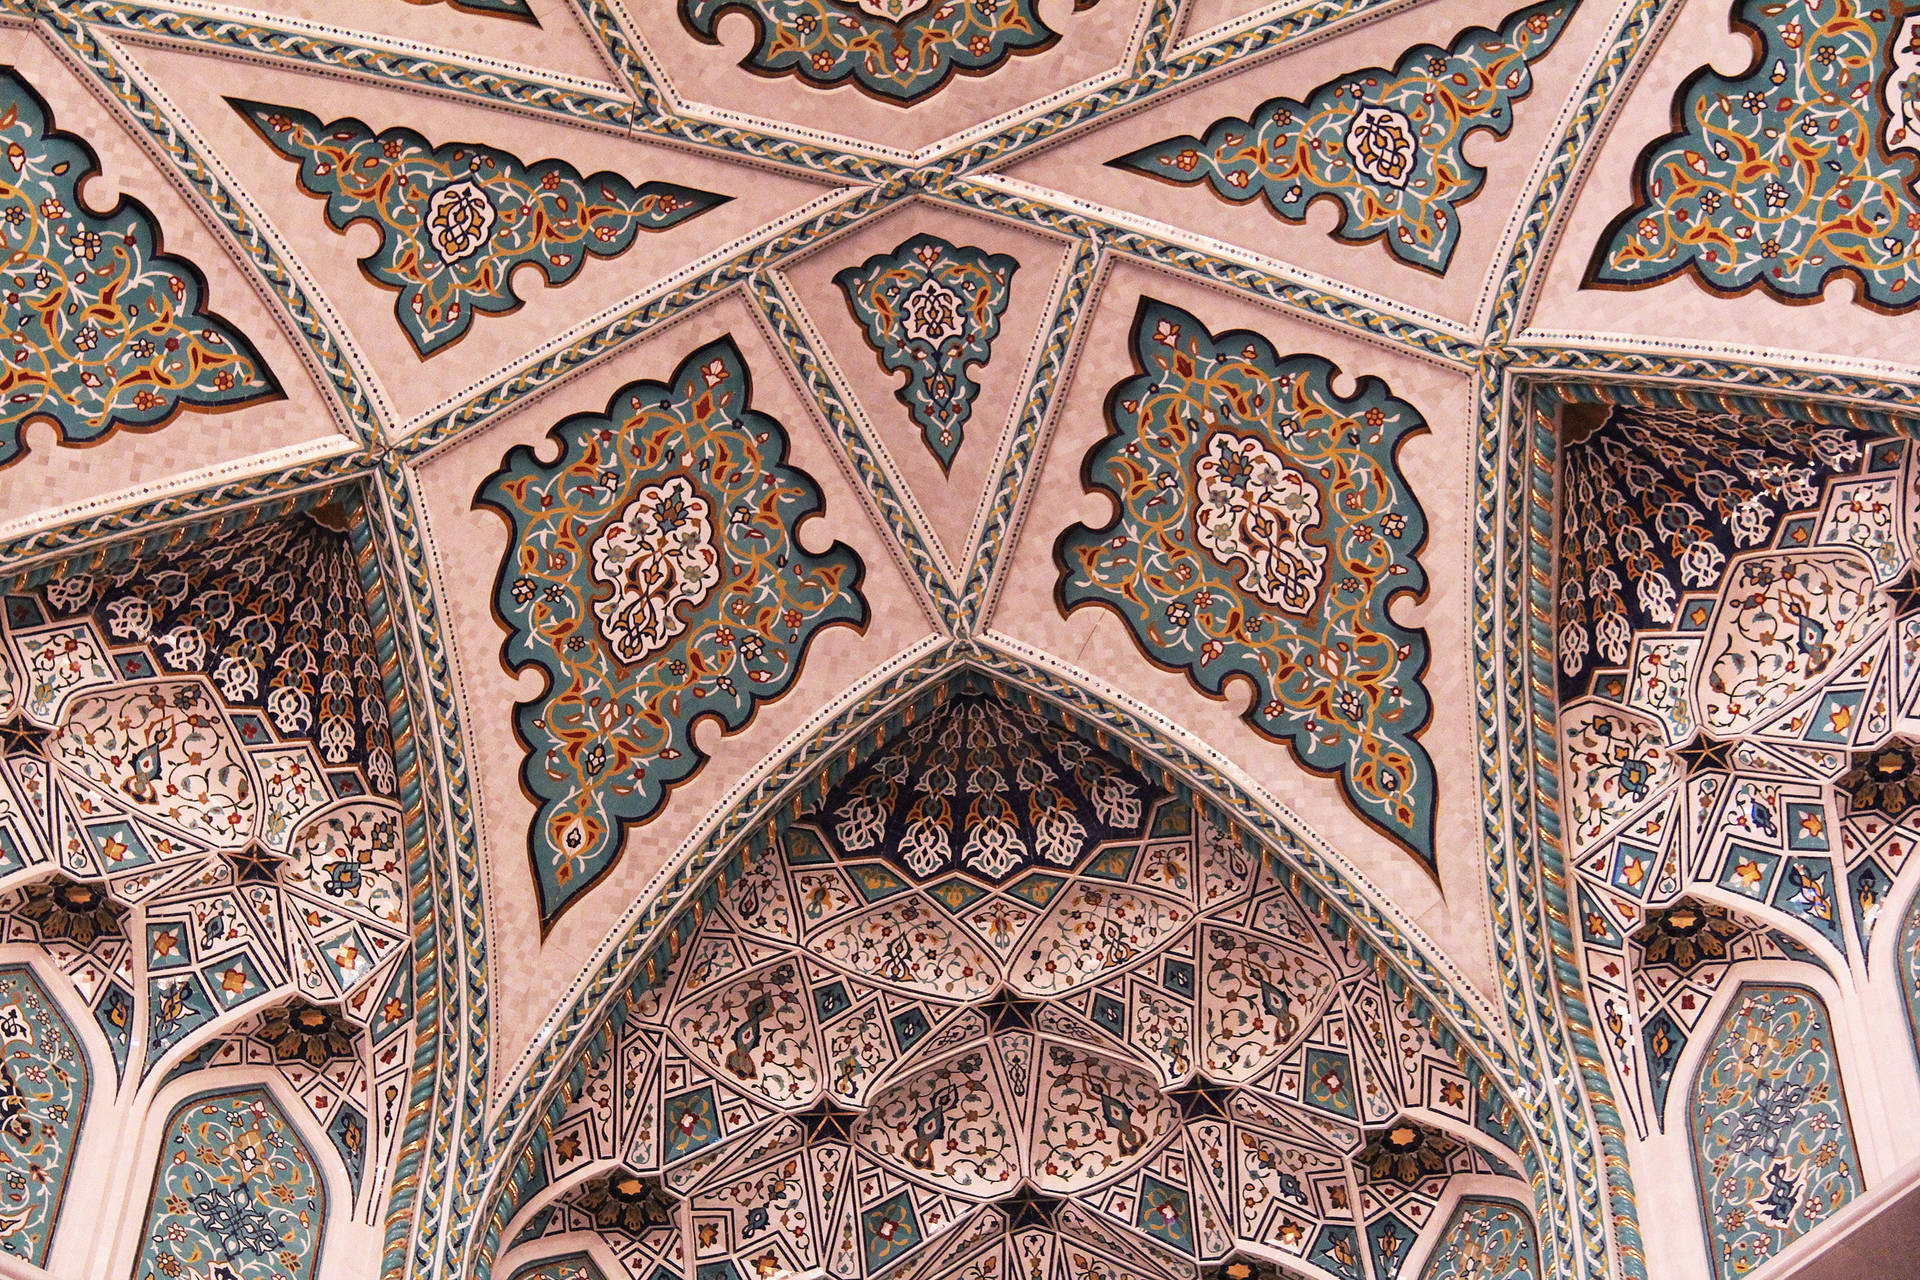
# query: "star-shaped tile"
{"type": "Point", "coordinates": [1904, 591]}
{"type": "Point", "coordinates": [827, 1121]}
{"type": "Point", "coordinates": [254, 864]}
{"type": "Point", "coordinates": [1202, 1099]}
{"type": "Point", "coordinates": [1706, 755]}
{"type": "Point", "coordinates": [21, 737]}
{"type": "Point", "coordinates": [1030, 1207]}
{"type": "Point", "coordinates": [1005, 1011]}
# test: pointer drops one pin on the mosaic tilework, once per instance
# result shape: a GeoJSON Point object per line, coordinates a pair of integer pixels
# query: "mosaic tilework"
{"type": "Point", "coordinates": [195, 766]}
{"type": "Point", "coordinates": [1386, 145]}
{"type": "Point", "coordinates": [456, 220]}
{"type": "Point", "coordinates": [103, 328]}
{"type": "Point", "coordinates": [1793, 173]}
{"type": "Point", "coordinates": [1774, 1142]}
{"type": "Point", "coordinates": [1909, 960]}
{"type": "Point", "coordinates": [237, 1195]}
{"type": "Point", "coordinates": [1486, 1240]}
{"type": "Point", "coordinates": [895, 50]}
{"type": "Point", "coordinates": [44, 1084]}
{"type": "Point", "coordinates": [1739, 663]}
{"type": "Point", "coordinates": [1137, 1063]}
{"type": "Point", "coordinates": [653, 575]}
{"type": "Point", "coordinates": [931, 309]}
{"type": "Point", "coordinates": [1264, 526]}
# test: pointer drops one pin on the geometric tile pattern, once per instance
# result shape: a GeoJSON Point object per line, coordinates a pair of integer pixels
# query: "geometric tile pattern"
{"type": "Point", "coordinates": [654, 576]}
{"type": "Point", "coordinates": [894, 50]}
{"type": "Point", "coordinates": [237, 1196]}
{"type": "Point", "coordinates": [1776, 1154]}
{"type": "Point", "coordinates": [1796, 172]}
{"type": "Point", "coordinates": [931, 309]}
{"type": "Point", "coordinates": [1486, 1240]}
{"type": "Point", "coordinates": [1386, 145]}
{"type": "Point", "coordinates": [1737, 655]}
{"type": "Point", "coordinates": [1264, 527]}
{"type": "Point", "coordinates": [197, 830]}
{"type": "Point", "coordinates": [1146, 1059]}
{"type": "Point", "coordinates": [103, 329]}
{"type": "Point", "coordinates": [455, 221]}
{"type": "Point", "coordinates": [44, 1085]}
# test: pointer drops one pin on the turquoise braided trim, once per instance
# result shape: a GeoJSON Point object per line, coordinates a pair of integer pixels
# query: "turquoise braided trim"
{"type": "Point", "coordinates": [448, 1151]}
{"type": "Point", "coordinates": [636, 322]}
{"type": "Point", "coordinates": [1002, 510]}
{"type": "Point", "coordinates": [262, 38]}
{"type": "Point", "coordinates": [912, 544]}
{"type": "Point", "coordinates": [1403, 329]}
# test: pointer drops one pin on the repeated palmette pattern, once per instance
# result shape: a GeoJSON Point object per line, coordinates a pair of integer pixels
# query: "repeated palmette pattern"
{"type": "Point", "coordinates": [1798, 171]}
{"type": "Point", "coordinates": [653, 574]}
{"type": "Point", "coordinates": [456, 220]}
{"type": "Point", "coordinates": [931, 309]}
{"type": "Point", "coordinates": [1385, 144]}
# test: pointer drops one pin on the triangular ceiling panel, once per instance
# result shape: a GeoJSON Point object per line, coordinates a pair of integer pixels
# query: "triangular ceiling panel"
{"type": "Point", "coordinates": [881, 75]}
{"type": "Point", "coordinates": [1075, 485]}
{"type": "Point", "coordinates": [1703, 64]}
{"type": "Point", "coordinates": [286, 420]}
{"type": "Point", "coordinates": [811, 678]}
{"type": "Point", "coordinates": [434, 313]}
{"type": "Point", "coordinates": [934, 283]}
{"type": "Point", "coordinates": [1274, 161]}
{"type": "Point", "coordinates": [545, 37]}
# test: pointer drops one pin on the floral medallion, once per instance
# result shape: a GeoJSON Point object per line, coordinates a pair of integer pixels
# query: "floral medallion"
{"type": "Point", "coordinates": [236, 1183]}
{"type": "Point", "coordinates": [654, 576]}
{"type": "Point", "coordinates": [899, 51]}
{"type": "Point", "coordinates": [1797, 171]}
{"type": "Point", "coordinates": [1254, 509]}
{"type": "Point", "coordinates": [1386, 145]}
{"type": "Point", "coordinates": [932, 310]}
{"type": "Point", "coordinates": [455, 221]}
{"type": "Point", "coordinates": [103, 329]}
{"type": "Point", "coordinates": [1264, 525]}
{"type": "Point", "coordinates": [1775, 1144]}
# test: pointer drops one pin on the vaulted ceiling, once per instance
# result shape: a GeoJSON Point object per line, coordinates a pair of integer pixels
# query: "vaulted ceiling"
{"type": "Point", "coordinates": [936, 638]}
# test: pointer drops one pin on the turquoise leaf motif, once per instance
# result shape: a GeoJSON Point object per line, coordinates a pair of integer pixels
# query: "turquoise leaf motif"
{"type": "Point", "coordinates": [1263, 528]}
{"type": "Point", "coordinates": [103, 329]}
{"type": "Point", "coordinates": [455, 221]}
{"type": "Point", "coordinates": [654, 577]}
{"type": "Point", "coordinates": [931, 309]}
{"type": "Point", "coordinates": [1387, 145]}
{"type": "Point", "coordinates": [898, 51]}
{"type": "Point", "coordinates": [1799, 170]}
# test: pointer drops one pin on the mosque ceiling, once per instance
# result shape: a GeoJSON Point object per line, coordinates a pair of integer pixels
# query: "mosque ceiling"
{"type": "Point", "coordinates": [1165, 639]}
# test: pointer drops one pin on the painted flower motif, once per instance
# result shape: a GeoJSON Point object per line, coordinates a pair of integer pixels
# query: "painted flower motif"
{"type": "Point", "coordinates": [1885, 780]}
{"type": "Point", "coordinates": [932, 313]}
{"type": "Point", "coordinates": [459, 220]}
{"type": "Point", "coordinates": [657, 556]}
{"type": "Point", "coordinates": [1380, 144]}
{"type": "Point", "coordinates": [300, 1031]}
{"type": "Point", "coordinates": [70, 911]}
{"type": "Point", "coordinates": [626, 1202]}
{"type": "Point", "coordinates": [1253, 508]}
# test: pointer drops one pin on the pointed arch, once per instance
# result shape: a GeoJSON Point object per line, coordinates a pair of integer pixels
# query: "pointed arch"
{"type": "Point", "coordinates": [1383, 951]}
{"type": "Point", "coordinates": [1773, 1142]}
{"type": "Point", "coordinates": [45, 1081]}
{"type": "Point", "coordinates": [234, 1181]}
